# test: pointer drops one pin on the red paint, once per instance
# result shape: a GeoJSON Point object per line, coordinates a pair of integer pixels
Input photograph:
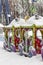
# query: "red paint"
{"type": "Point", "coordinates": [16, 39]}
{"type": "Point", "coordinates": [38, 45]}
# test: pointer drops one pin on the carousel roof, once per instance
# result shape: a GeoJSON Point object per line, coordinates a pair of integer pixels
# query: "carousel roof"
{"type": "Point", "coordinates": [1, 25]}
{"type": "Point", "coordinates": [33, 20]}
{"type": "Point", "coordinates": [13, 23]}
{"type": "Point", "coordinates": [18, 23]}
{"type": "Point", "coordinates": [22, 22]}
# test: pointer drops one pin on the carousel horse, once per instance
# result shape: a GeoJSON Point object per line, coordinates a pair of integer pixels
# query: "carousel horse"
{"type": "Point", "coordinates": [17, 39]}
{"type": "Point", "coordinates": [21, 48]}
{"type": "Point", "coordinates": [32, 51]}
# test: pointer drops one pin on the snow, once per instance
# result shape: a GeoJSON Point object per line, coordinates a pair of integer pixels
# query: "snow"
{"type": "Point", "coordinates": [22, 22]}
{"type": "Point", "coordinates": [9, 58]}
{"type": "Point", "coordinates": [13, 23]}
{"type": "Point", "coordinates": [37, 22]}
{"type": "Point", "coordinates": [29, 22]}
{"type": "Point", "coordinates": [1, 25]}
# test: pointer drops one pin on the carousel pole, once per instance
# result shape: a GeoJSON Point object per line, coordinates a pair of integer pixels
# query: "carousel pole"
{"type": "Point", "coordinates": [8, 33]}
{"type": "Point", "coordinates": [6, 36]}
{"type": "Point", "coordinates": [34, 34]}
{"type": "Point", "coordinates": [13, 34]}
{"type": "Point", "coordinates": [20, 34]}
{"type": "Point", "coordinates": [25, 46]}
{"type": "Point", "coordinates": [9, 44]}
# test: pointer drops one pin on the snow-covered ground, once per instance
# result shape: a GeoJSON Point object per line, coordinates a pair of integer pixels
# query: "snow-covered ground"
{"type": "Point", "coordinates": [11, 58]}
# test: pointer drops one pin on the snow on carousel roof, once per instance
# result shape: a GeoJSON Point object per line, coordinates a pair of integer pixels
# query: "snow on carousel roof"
{"type": "Point", "coordinates": [22, 22]}
{"type": "Point", "coordinates": [1, 25]}
{"type": "Point", "coordinates": [37, 22]}
{"type": "Point", "coordinates": [18, 23]}
{"type": "Point", "coordinates": [13, 23]}
{"type": "Point", "coordinates": [29, 22]}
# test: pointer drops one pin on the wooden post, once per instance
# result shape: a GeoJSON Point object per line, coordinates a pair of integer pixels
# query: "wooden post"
{"type": "Point", "coordinates": [13, 34]}
{"type": "Point", "coordinates": [34, 34]}
{"type": "Point", "coordinates": [20, 33]}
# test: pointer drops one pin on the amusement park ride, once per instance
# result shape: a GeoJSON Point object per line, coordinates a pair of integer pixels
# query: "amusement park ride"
{"type": "Point", "coordinates": [17, 36]}
{"type": "Point", "coordinates": [23, 38]}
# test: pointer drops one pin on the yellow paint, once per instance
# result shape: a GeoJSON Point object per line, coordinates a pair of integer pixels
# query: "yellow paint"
{"type": "Point", "coordinates": [26, 17]}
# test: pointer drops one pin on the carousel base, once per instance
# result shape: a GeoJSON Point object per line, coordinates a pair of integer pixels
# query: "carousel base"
{"type": "Point", "coordinates": [25, 54]}
{"type": "Point", "coordinates": [17, 50]}
{"type": "Point", "coordinates": [12, 47]}
{"type": "Point", "coordinates": [8, 49]}
{"type": "Point", "coordinates": [28, 54]}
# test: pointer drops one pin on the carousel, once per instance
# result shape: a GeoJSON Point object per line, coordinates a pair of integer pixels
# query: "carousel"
{"type": "Point", "coordinates": [10, 32]}
{"type": "Point", "coordinates": [37, 22]}
{"type": "Point", "coordinates": [29, 32]}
